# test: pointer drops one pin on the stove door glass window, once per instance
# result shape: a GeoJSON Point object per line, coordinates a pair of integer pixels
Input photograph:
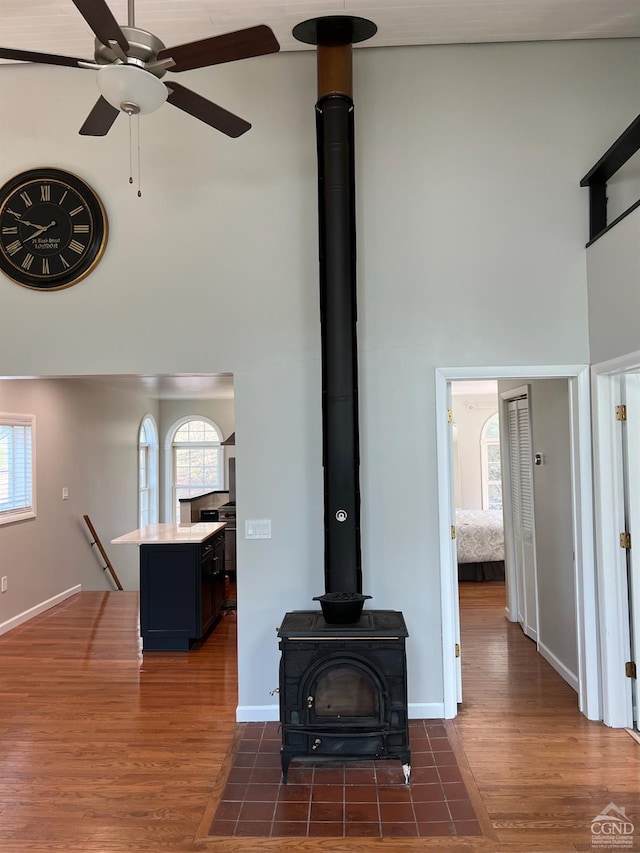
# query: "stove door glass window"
{"type": "Point", "coordinates": [344, 691]}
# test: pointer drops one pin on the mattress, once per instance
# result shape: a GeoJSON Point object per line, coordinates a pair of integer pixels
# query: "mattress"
{"type": "Point", "coordinates": [479, 535]}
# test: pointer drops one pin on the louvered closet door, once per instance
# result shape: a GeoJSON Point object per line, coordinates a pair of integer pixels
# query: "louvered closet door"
{"type": "Point", "coordinates": [521, 465]}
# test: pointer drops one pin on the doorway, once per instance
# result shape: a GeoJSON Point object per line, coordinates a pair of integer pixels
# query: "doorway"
{"type": "Point", "coordinates": [90, 452]}
{"type": "Point", "coordinates": [587, 674]}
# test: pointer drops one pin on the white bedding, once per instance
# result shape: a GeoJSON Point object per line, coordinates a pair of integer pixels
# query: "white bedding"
{"type": "Point", "coordinates": [479, 535]}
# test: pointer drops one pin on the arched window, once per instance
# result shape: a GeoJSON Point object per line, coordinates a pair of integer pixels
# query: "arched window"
{"type": "Point", "coordinates": [196, 460]}
{"type": "Point", "coordinates": [147, 472]}
{"type": "Point", "coordinates": [491, 471]}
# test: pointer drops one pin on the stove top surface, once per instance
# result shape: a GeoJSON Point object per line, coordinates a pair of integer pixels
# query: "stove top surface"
{"type": "Point", "coordinates": [372, 623]}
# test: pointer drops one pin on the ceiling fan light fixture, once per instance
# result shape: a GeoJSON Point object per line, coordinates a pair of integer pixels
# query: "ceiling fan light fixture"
{"type": "Point", "coordinates": [131, 89]}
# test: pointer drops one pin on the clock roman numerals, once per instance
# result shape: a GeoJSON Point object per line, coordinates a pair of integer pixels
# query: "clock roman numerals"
{"type": "Point", "coordinates": [53, 229]}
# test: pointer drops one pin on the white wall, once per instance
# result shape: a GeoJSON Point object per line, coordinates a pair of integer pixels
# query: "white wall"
{"type": "Point", "coordinates": [613, 264]}
{"type": "Point", "coordinates": [469, 206]}
{"type": "Point", "coordinates": [470, 414]}
{"type": "Point", "coordinates": [86, 440]}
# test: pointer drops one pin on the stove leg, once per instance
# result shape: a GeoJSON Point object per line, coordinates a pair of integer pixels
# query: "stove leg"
{"type": "Point", "coordinates": [284, 760]}
{"type": "Point", "coordinates": [406, 769]}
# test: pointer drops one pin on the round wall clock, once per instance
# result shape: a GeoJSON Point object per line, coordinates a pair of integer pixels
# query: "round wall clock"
{"type": "Point", "coordinates": [53, 229]}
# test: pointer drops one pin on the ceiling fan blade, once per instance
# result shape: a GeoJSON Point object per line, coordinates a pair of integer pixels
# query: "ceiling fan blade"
{"type": "Point", "coordinates": [100, 119]}
{"type": "Point", "coordinates": [47, 58]}
{"type": "Point", "coordinates": [206, 111]}
{"type": "Point", "coordinates": [242, 44]}
{"type": "Point", "coordinates": [100, 18]}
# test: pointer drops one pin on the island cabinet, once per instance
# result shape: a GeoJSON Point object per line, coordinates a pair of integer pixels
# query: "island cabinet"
{"type": "Point", "coordinates": [181, 592]}
{"type": "Point", "coordinates": [181, 582]}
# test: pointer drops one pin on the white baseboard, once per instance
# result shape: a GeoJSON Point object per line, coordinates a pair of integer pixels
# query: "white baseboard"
{"type": "Point", "coordinates": [257, 713]}
{"type": "Point", "coordinates": [634, 734]}
{"type": "Point", "coordinates": [39, 608]}
{"type": "Point", "coordinates": [269, 713]}
{"type": "Point", "coordinates": [570, 677]}
{"type": "Point", "coordinates": [426, 710]}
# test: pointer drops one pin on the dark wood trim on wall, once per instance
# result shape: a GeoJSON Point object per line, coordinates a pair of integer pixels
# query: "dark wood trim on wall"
{"type": "Point", "coordinates": [622, 150]}
{"type": "Point", "coordinates": [608, 227]}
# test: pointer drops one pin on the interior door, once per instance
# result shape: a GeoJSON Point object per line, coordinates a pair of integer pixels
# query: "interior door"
{"type": "Point", "coordinates": [521, 472]}
{"type": "Point", "coordinates": [631, 462]}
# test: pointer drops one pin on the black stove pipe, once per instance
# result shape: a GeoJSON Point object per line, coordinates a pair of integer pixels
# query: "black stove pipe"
{"type": "Point", "coordinates": [337, 238]}
{"type": "Point", "coordinates": [341, 459]}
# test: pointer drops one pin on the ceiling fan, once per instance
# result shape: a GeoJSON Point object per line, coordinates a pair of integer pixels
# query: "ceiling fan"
{"type": "Point", "coordinates": [131, 61]}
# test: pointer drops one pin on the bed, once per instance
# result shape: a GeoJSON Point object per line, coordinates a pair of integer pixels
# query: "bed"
{"type": "Point", "coordinates": [480, 542]}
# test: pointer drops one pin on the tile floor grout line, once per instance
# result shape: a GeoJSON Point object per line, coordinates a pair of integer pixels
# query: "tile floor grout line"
{"type": "Point", "coordinates": [381, 778]}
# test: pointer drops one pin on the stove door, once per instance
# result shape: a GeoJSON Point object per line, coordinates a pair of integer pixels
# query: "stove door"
{"type": "Point", "coordinates": [345, 691]}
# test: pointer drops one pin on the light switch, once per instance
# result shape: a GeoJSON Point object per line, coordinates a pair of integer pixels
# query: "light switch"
{"type": "Point", "coordinates": [257, 528]}
{"type": "Point", "coordinates": [65, 493]}
{"type": "Point", "coordinates": [265, 529]}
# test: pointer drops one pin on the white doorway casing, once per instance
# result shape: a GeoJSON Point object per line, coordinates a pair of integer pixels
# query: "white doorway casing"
{"type": "Point", "coordinates": [613, 592]}
{"type": "Point", "coordinates": [632, 463]}
{"type": "Point", "coordinates": [583, 532]}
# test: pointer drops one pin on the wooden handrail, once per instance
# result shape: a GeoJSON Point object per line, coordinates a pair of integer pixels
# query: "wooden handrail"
{"type": "Point", "coordinates": [97, 542]}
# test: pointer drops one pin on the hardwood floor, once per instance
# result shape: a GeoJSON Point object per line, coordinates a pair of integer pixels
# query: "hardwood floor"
{"type": "Point", "coordinates": [106, 750]}
{"type": "Point", "coordinates": [542, 769]}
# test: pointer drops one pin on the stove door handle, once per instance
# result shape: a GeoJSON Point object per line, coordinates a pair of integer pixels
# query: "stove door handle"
{"type": "Point", "coordinates": [309, 701]}
{"type": "Point", "coordinates": [316, 743]}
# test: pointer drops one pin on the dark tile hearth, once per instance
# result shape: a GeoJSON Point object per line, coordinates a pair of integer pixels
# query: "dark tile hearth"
{"type": "Point", "coordinates": [336, 799]}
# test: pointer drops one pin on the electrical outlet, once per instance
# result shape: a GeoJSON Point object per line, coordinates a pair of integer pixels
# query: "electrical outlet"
{"type": "Point", "coordinates": [4, 584]}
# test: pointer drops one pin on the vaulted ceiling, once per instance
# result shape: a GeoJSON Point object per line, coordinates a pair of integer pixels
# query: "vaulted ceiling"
{"type": "Point", "coordinates": [56, 26]}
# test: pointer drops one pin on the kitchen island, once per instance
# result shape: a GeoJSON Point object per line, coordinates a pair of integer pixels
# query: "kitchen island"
{"type": "Point", "coordinates": [181, 582]}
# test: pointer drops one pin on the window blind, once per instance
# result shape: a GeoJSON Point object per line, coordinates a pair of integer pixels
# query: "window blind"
{"type": "Point", "coordinates": [16, 464]}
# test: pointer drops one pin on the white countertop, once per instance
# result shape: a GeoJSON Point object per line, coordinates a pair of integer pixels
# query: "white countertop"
{"type": "Point", "coordinates": [165, 534]}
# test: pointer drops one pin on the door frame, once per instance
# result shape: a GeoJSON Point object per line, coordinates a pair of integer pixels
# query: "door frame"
{"type": "Point", "coordinates": [617, 700]}
{"type": "Point", "coordinates": [578, 377]}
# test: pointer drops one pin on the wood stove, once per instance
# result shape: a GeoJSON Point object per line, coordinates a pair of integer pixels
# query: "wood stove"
{"type": "Point", "coordinates": [343, 685]}
{"type": "Point", "coordinates": [343, 688]}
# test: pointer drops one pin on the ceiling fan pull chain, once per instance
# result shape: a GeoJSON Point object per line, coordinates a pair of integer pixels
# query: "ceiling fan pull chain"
{"type": "Point", "coordinates": [139, 178]}
{"type": "Point", "coordinates": [131, 143]}
{"type": "Point", "coordinates": [130, 152]}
